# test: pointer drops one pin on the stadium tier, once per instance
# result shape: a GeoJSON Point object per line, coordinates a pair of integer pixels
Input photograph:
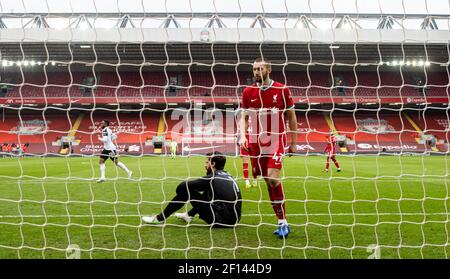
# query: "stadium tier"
{"type": "Point", "coordinates": [205, 131]}
{"type": "Point", "coordinates": [433, 122]}
{"type": "Point", "coordinates": [220, 84]}
{"type": "Point", "coordinates": [37, 129]}
{"type": "Point", "coordinates": [378, 131]}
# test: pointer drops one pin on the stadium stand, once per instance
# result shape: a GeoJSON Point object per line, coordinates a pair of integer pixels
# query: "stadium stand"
{"type": "Point", "coordinates": [36, 129]}
{"type": "Point", "coordinates": [134, 129]}
{"type": "Point", "coordinates": [137, 129]}
{"type": "Point", "coordinates": [151, 84]}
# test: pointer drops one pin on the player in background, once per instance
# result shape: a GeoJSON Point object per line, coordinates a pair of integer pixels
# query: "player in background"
{"type": "Point", "coordinates": [109, 151]}
{"type": "Point", "coordinates": [267, 103]}
{"type": "Point", "coordinates": [330, 150]}
{"type": "Point", "coordinates": [245, 155]}
{"type": "Point", "coordinates": [173, 149]}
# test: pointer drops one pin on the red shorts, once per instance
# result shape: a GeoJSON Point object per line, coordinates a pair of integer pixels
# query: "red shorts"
{"type": "Point", "coordinates": [244, 152]}
{"type": "Point", "coordinates": [330, 154]}
{"type": "Point", "coordinates": [262, 162]}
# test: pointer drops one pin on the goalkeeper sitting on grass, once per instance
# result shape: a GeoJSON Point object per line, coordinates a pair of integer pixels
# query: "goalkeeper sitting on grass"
{"type": "Point", "coordinates": [215, 197]}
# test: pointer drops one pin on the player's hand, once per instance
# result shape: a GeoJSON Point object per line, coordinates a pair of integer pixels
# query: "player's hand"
{"type": "Point", "coordinates": [292, 149]}
{"type": "Point", "coordinates": [243, 143]}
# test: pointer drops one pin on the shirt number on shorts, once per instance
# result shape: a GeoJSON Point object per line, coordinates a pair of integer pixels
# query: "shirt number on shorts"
{"type": "Point", "coordinates": [277, 157]}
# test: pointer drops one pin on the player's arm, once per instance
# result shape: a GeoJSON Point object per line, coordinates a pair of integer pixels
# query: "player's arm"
{"type": "Point", "coordinates": [327, 147]}
{"type": "Point", "coordinates": [244, 127]}
{"type": "Point", "coordinates": [292, 137]}
{"type": "Point", "coordinates": [113, 136]}
{"type": "Point", "coordinates": [102, 138]}
{"type": "Point", "coordinates": [200, 184]}
{"type": "Point", "coordinates": [244, 121]}
{"type": "Point", "coordinates": [292, 120]}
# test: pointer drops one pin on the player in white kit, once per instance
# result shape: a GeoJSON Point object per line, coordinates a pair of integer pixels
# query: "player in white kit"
{"type": "Point", "coordinates": [109, 151]}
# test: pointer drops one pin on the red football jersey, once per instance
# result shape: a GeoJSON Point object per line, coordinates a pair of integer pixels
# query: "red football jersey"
{"type": "Point", "coordinates": [331, 145]}
{"type": "Point", "coordinates": [266, 107]}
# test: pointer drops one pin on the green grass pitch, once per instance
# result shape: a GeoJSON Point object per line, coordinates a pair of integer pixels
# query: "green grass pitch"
{"type": "Point", "coordinates": [399, 203]}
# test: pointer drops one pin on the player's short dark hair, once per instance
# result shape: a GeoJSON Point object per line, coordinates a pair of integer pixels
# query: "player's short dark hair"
{"type": "Point", "coordinates": [107, 122]}
{"type": "Point", "coordinates": [218, 159]}
{"type": "Point", "coordinates": [267, 62]}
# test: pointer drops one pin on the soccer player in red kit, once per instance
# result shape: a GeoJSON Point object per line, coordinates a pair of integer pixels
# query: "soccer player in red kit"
{"type": "Point", "coordinates": [267, 103]}
{"type": "Point", "coordinates": [331, 152]}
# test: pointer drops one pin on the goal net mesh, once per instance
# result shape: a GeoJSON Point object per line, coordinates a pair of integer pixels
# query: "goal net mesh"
{"type": "Point", "coordinates": [386, 103]}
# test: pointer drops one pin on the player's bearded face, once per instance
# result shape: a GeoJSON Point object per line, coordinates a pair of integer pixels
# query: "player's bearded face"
{"type": "Point", "coordinates": [260, 71]}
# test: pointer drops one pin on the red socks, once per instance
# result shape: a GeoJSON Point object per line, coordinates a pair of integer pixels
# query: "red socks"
{"type": "Point", "coordinates": [276, 195]}
{"type": "Point", "coordinates": [245, 167]}
{"type": "Point", "coordinates": [336, 163]}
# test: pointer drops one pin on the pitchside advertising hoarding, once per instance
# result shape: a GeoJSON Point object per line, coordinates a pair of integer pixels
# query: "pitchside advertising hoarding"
{"type": "Point", "coordinates": [206, 131]}
{"type": "Point", "coordinates": [137, 149]}
{"type": "Point", "coordinates": [229, 146]}
{"type": "Point", "coordinates": [195, 143]}
{"type": "Point", "coordinates": [389, 147]}
{"type": "Point", "coordinates": [132, 149]}
{"type": "Point", "coordinates": [217, 100]}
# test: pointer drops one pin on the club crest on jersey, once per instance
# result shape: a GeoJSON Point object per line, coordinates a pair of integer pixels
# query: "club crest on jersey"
{"type": "Point", "coordinates": [275, 98]}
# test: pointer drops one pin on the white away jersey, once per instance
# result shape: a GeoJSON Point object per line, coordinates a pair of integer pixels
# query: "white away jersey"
{"type": "Point", "coordinates": [107, 138]}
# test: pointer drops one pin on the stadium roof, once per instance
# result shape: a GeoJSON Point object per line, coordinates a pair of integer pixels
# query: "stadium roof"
{"type": "Point", "coordinates": [60, 20]}
{"type": "Point", "coordinates": [294, 53]}
{"type": "Point", "coordinates": [128, 40]}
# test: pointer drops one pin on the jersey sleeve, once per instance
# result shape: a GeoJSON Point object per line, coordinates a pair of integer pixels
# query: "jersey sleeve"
{"type": "Point", "coordinates": [113, 136]}
{"type": "Point", "coordinates": [245, 99]}
{"type": "Point", "coordinates": [288, 101]}
{"type": "Point", "coordinates": [200, 184]}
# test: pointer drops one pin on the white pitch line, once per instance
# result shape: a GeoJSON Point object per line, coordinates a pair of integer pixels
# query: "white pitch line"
{"type": "Point", "coordinates": [244, 215]}
{"type": "Point", "coordinates": [301, 180]}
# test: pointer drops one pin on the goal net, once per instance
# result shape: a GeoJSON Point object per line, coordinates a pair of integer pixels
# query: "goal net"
{"type": "Point", "coordinates": [372, 78]}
